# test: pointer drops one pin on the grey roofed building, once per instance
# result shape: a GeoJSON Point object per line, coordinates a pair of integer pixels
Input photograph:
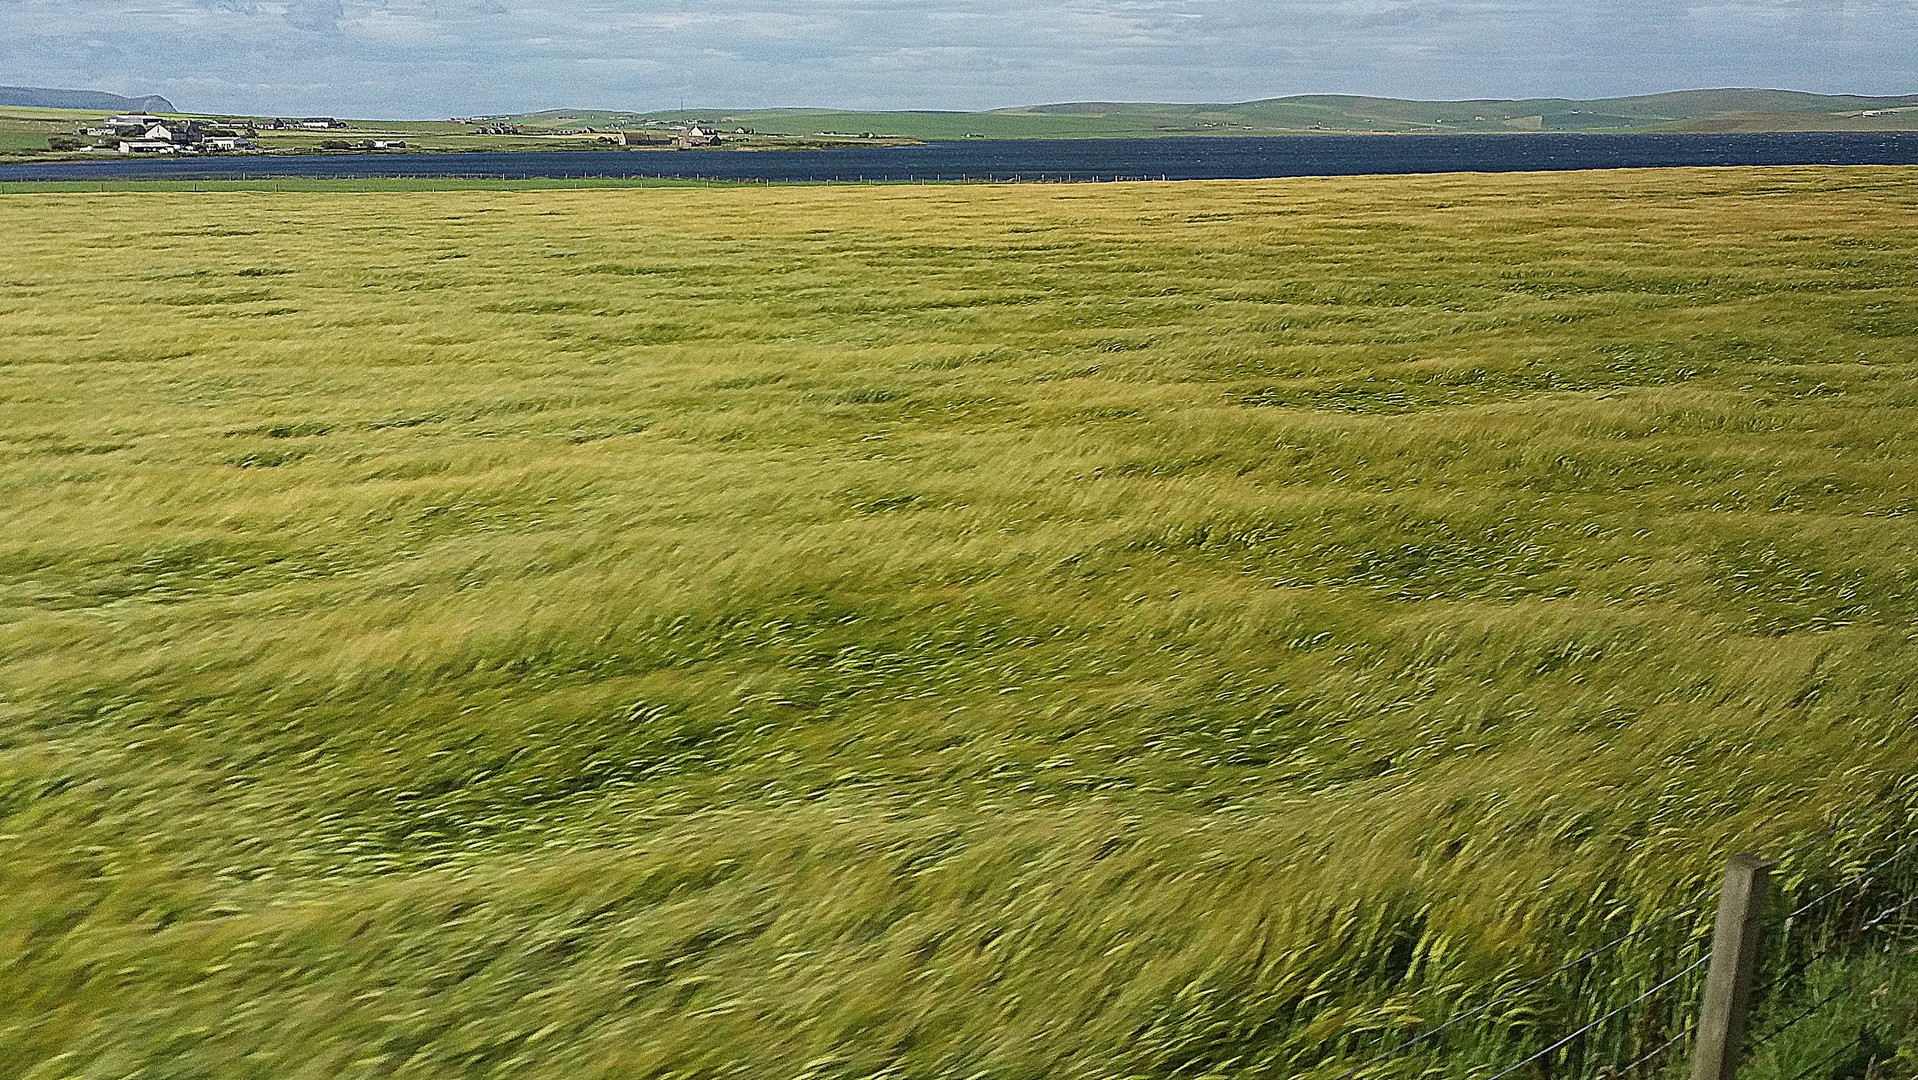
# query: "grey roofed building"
{"type": "Point", "coordinates": [131, 121]}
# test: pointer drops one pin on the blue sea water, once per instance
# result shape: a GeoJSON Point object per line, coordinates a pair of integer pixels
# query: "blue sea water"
{"type": "Point", "coordinates": [1102, 159]}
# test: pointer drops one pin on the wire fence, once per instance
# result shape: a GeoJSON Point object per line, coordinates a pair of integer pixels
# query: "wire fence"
{"type": "Point", "coordinates": [1867, 912]}
{"type": "Point", "coordinates": [1628, 1009]}
{"type": "Point", "coordinates": [1467, 1028]}
{"type": "Point", "coordinates": [274, 180]}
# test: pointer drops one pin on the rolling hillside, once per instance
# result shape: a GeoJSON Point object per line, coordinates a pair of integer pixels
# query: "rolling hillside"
{"type": "Point", "coordinates": [29, 118]}
{"type": "Point", "coordinates": [36, 97]}
{"type": "Point", "coordinates": [1688, 110]}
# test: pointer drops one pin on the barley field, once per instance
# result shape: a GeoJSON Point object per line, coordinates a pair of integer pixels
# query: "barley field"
{"type": "Point", "coordinates": [989, 633]}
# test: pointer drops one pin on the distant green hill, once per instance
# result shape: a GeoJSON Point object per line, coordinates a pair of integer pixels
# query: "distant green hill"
{"type": "Point", "coordinates": [41, 98]}
{"type": "Point", "coordinates": [1687, 110]}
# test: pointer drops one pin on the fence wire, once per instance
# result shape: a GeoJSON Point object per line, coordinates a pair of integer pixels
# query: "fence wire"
{"type": "Point", "coordinates": [1595, 1024]}
{"type": "Point", "coordinates": [1858, 914]}
{"type": "Point", "coordinates": [1517, 993]}
{"type": "Point", "coordinates": [1822, 920]}
{"type": "Point", "coordinates": [1656, 1053]}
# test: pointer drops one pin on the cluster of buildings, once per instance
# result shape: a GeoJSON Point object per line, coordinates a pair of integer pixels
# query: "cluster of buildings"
{"type": "Point", "coordinates": [692, 136]}
{"type": "Point", "coordinates": [145, 133]}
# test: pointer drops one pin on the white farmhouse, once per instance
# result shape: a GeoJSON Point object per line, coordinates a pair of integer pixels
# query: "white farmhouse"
{"type": "Point", "coordinates": [157, 139]}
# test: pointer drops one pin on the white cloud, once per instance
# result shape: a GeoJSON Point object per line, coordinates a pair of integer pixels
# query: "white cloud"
{"type": "Point", "coordinates": [438, 57]}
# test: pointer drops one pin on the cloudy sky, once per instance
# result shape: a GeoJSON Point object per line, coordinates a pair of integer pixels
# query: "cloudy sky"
{"type": "Point", "coordinates": [426, 58]}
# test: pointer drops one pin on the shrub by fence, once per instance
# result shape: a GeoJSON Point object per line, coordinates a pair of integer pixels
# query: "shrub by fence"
{"type": "Point", "coordinates": [1745, 981]}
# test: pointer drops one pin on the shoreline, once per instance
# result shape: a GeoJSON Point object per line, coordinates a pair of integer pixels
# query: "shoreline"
{"type": "Point", "coordinates": [1067, 160]}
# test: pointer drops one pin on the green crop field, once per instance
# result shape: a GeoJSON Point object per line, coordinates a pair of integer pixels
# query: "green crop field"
{"type": "Point", "coordinates": [992, 632]}
{"type": "Point", "coordinates": [1687, 110]}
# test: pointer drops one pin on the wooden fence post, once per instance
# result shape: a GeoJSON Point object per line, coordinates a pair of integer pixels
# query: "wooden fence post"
{"type": "Point", "coordinates": [1728, 982]}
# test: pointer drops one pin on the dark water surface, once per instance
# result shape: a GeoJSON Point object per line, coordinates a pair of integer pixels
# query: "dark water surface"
{"type": "Point", "coordinates": [1064, 159]}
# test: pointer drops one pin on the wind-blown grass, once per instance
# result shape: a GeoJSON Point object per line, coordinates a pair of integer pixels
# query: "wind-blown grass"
{"type": "Point", "coordinates": [1132, 631]}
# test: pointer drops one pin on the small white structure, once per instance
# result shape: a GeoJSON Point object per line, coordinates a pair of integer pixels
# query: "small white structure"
{"type": "Point", "coordinates": [226, 144]}
{"type": "Point", "coordinates": [131, 121]}
{"type": "Point", "coordinates": [157, 139]}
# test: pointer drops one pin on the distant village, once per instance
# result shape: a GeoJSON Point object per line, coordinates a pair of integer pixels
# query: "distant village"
{"type": "Point", "coordinates": [147, 133]}
{"type": "Point", "coordinates": [655, 133]}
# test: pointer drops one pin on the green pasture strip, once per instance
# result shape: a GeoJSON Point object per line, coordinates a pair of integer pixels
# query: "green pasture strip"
{"type": "Point", "coordinates": [1842, 1018]}
{"type": "Point", "coordinates": [1735, 110]}
{"type": "Point", "coordinates": [343, 185]}
{"type": "Point", "coordinates": [978, 631]}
